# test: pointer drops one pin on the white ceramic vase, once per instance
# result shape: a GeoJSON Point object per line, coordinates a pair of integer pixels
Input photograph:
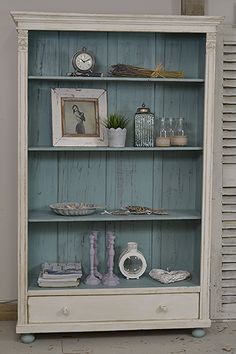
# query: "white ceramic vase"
{"type": "Point", "coordinates": [137, 263]}
{"type": "Point", "coordinates": [116, 137]}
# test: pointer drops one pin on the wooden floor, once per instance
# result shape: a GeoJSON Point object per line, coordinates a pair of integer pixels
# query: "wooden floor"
{"type": "Point", "coordinates": [8, 312]}
{"type": "Point", "coordinates": [221, 338]}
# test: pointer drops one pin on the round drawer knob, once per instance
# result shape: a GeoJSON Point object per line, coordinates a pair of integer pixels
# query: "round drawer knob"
{"type": "Point", "coordinates": [66, 311]}
{"type": "Point", "coordinates": [163, 308]}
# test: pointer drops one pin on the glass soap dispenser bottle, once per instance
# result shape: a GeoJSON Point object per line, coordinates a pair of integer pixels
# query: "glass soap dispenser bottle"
{"type": "Point", "coordinates": [180, 138]}
{"type": "Point", "coordinates": [143, 127]}
{"type": "Point", "coordinates": [163, 138]}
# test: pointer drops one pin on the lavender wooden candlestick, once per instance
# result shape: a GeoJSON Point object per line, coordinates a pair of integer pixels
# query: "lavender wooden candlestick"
{"type": "Point", "coordinates": [96, 272]}
{"type": "Point", "coordinates": [110, 278]}
{"type": "Point", "coordinates": [91, 278]}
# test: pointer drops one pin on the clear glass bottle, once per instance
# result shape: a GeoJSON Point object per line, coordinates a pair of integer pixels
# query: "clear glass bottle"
{"type": "Point", "coordinates": [171, 127]}
{"type": "Point", "coordinates": [162, 138]}
{"type": "Point", "coordinates": [163, 130]}
{"type": "Point", "coordinates": [180, 127]}
{"type": "Point", "coordinates": [180, 138]}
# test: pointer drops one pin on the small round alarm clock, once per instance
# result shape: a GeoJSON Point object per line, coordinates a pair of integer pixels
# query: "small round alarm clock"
{"type": "Point", "coordinates": [132, 263]}
{"type": "Point", "coordinates": [84, 61]}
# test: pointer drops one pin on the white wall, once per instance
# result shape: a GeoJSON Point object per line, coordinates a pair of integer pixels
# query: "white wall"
{"type": "Point", "coordinates": [8, 102]}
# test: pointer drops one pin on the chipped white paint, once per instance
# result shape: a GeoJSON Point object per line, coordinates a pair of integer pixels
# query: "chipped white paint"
{"type": "Point", "coordinates": [23, 174]}
{"type": "Point", "coordinates": [207, 173]}
{"type": "Point", "coordinates": [108, 22]}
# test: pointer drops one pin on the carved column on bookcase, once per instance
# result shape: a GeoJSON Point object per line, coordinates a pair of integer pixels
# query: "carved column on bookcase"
{"type": "Point", "coordinates": [22, 40]}
{"type": "Point", "coordinates": [207, 170]}
{"type": "Point", "coordinates": [23, 173]}
{"type": "Point", "coordinates": [211, 41]}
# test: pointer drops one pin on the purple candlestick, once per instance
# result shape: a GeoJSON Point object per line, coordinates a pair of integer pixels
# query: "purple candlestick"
{"type": "Point", "coordinates": [96, 272]}
{"type": "Point", "coordinates": [91, 278]}
{"type": "Point", "coordinates": [110, 278]}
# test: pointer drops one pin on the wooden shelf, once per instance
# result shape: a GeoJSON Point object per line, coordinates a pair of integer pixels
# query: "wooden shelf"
{"type": "Point", "coordinates": [144, 285]}
{"type": "Point", "coordinates": [50, 216]}
{"type": "Point", "coordinates": [108, 149]}
{"type": "Point", "coordinates": [113, 78]}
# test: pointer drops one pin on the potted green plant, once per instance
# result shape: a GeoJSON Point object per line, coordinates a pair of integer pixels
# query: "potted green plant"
{"type": "Point", "coordinates": [116, 129]}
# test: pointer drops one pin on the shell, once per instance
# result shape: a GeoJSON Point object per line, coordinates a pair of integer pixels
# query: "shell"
{"type": "Point", "coordinates": [166, 277]}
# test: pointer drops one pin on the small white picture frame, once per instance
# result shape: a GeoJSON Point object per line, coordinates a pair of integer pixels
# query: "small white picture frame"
{"type": "Point", "coordinates": [78, 117]}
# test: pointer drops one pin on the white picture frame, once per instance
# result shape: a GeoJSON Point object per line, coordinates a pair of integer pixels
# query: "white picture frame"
{"type": "Point", "coordinates": [78, 117]}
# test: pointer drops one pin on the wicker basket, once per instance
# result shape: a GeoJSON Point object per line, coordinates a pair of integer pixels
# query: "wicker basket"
{"type": "Point", "coordinates": [73, 209]}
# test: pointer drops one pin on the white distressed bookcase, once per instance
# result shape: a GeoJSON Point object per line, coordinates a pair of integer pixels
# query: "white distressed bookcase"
{"type": "Point", "coordinates": [176, 178]}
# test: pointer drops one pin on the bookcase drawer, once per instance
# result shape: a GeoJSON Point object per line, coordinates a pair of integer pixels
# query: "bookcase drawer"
{"type": "Point", "coordinates": [113, 308]}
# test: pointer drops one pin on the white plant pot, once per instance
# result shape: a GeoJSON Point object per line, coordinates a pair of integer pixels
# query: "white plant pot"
{"type": "Point", "coordinates": [116, 137]}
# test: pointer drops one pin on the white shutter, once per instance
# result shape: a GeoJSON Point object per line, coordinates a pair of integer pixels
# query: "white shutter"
{"type": "Point", "coordinates": [224, 250]}
{"type": "Point", "coordinates": [229, 180]}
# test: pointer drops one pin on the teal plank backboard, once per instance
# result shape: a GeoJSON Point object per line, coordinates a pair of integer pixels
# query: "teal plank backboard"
{"type": "Point", "coordinates": [170, 179]}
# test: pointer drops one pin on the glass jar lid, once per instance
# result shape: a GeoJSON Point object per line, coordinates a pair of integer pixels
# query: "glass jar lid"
{"type": "Point", "coordinates": [143, 109]}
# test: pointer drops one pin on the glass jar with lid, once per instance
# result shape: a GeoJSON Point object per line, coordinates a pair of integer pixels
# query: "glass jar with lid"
{"type": "Point", "coordinates": [143, 127]}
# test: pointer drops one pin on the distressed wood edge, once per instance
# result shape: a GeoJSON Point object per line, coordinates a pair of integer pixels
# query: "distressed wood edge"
{"type": "Point", "coordinates": [206, 229]}
{"type": "Point", "coordinates": [110, 326]}
{"type": "Point", "coordinates": [25, 15]}
{"type": "Point", "coordinates": [22, 174]}
{"type": "Point", "coordinates": [216, 255]}
{"type": "Point", "coordinates": [114, 22]}
{"type": "Point", "coordinates": [8, 312]}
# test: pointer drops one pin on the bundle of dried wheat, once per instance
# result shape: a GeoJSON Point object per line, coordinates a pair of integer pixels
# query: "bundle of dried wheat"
{"type": "Point", "coordinates": [126, 70]}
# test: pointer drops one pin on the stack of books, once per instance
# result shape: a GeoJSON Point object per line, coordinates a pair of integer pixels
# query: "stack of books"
{"type": "Point", "coordinates": [58, 275]}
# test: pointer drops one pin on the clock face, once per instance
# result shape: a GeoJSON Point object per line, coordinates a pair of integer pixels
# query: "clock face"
{"type": "Point", "coordinates": [83, 61]}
